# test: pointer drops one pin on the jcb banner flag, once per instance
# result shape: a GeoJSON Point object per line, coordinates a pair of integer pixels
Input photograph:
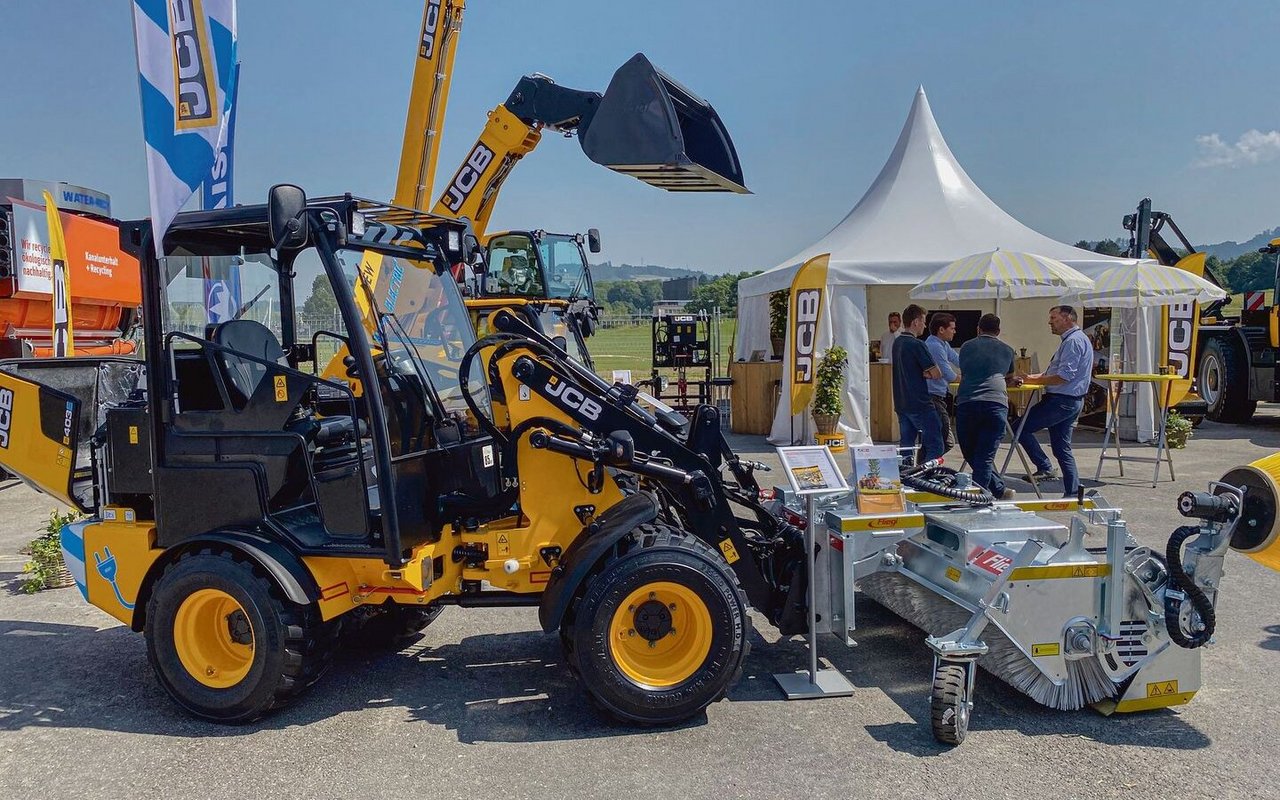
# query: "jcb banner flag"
{"type": "Point", "coordinates": [186, 65]}
{"type": "Point", "coordinates": [808, 288]}
{"type": "Point", "coordinates": [1179, 326]}
{"type": "Point", "coordinates": [64, 337]}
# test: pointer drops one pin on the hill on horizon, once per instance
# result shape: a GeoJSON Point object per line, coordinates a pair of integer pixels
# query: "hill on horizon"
{"type": "Point", "coordinates": [1226, 250]}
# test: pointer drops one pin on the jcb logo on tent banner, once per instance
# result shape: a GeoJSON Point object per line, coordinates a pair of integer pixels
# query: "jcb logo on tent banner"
{"type": "Point", "coordinates": [807, 289]}
{"type": "Point", "coordinates": [1179, 326]}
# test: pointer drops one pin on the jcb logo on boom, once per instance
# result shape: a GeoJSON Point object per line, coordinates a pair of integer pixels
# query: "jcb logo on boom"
{"type": "Point", "coordinates": [1180, 337]}
{"type": "Point", "coordinates": [574, 399]}
{"type": "Point", "coordinates": [808, 307]}
{"type": "Point", "coordinates": [6, 416]}
{"type": "Point", "coordinates": [195, 93]}
{"type": "Point", "coordinates": [467, 178]}
{"type": "Point", "coordinates": [430, 21]}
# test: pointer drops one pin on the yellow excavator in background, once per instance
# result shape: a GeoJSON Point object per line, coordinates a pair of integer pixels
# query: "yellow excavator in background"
{"type": "Point", "coordinates": [645, 125]}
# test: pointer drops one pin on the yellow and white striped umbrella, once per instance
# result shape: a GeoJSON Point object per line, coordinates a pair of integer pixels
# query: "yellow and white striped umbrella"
{"type": "Point", "coordinates": [1146, 284]}
{"type": "Point", "coordinates": [1001, 273]}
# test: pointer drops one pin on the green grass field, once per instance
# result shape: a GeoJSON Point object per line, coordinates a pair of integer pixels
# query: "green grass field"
{"type": "Point", "coordinates": [631, 347]}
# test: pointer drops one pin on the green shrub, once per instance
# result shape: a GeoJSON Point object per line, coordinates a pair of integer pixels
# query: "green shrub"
{"type": "Point", "coordinates": [827, 400]}
{"type": "Point", "coordinates": [1177, 430]}
{"type": "Point", "coordinates": [779, 303]}
{"type": "Point", "coordinates": [46, 553]}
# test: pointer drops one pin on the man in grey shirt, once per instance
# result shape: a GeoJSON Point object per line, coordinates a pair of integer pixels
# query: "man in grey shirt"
{"type": "Point", "coordinates": [1066, 382]}
{"type": "Point", "coordinates": [982, 403]}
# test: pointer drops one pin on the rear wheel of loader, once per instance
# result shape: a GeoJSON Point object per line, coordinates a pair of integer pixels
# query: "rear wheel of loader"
{"type": "Point", "coordinates": [661, 630]}
{"type": "Point", "coordinates": [950, 703]}
{"type": "Point", "coordinates": [225, 644]}
{"type": "Point", "coordinates": [1223, 382]}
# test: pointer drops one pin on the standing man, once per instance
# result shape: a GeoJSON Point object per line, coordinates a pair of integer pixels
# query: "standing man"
{"type": "Point", "coordinates": [1066, 382]}
{"type": "Point", "coordinates": [888, 337]}
{"type": "Point", "coordinates": [982, 403]}
{"type": "Point", "coordinates": [912, 367]}
{"type": "Point", "coordinates": [942, 329]}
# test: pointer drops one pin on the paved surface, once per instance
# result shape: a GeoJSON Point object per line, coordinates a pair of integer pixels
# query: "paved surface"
{"type": "Point", "coordinates": [483, 704]}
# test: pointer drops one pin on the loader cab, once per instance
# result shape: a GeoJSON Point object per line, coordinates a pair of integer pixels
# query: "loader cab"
{"type": "Point", "coordinates": [537, 264]}
{"type": "Point", "coordinates": [558, 320]}
{"type": "Point", "coordinates": [250, 435]}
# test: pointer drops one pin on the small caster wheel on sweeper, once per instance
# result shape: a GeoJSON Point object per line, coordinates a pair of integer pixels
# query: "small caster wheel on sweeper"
{"type": "Point", "coordinates": [952, 700]}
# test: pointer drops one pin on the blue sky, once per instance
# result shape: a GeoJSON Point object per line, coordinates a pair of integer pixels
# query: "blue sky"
{"type": "Point", "coordinates": [1066, 114]}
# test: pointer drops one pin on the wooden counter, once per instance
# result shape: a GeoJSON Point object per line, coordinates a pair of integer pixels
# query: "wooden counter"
{"type": "Point", "coordinates": [754, 395]}
{"type": "Point", "coordinates": [884, 420]}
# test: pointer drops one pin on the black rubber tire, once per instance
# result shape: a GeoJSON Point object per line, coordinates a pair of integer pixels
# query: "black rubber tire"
{"type": "Point", "coordinates": [389, 626]}
{"type": "Point", "coordinates": [948, 705]}
{"type": "Point", "coordinates": [292, 646]}
{"type": "Point", "coordinates": [1222, 376]}
{"type": "Point", "coordinates": [657, 552]}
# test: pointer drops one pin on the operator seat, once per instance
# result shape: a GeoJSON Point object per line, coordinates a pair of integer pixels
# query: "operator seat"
{"type": "Point", "coordinates": [242, 376]}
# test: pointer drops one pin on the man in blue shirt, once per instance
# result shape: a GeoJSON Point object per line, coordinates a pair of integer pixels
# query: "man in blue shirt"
{"type": "Point", "coordinates": [912, 366]}
{"type": "Point", "coordinates": [1066, 382]}
{"type": "Point", "coordinates": [942, 329]}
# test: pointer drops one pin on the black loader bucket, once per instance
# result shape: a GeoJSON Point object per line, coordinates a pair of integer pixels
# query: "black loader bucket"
{"type": "Point", "coordinates": [652, 128]}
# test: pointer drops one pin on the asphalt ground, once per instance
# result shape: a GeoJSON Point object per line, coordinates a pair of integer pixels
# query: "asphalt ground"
{"type": "Point", "coordinates": [483, 705]}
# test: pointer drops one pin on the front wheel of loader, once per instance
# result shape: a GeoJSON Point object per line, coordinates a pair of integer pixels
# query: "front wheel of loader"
{"type": "Point", "coordinates": [661, 631]}
{"type": "Point", "coordinates": [226, 644]}
{"type": "Point", "coordinates": [951, 702]}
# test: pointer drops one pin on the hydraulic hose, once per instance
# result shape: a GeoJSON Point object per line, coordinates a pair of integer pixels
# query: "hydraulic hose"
{"type": "Point", "coordinates": [929, 477]}
{"type": "Point", "coordinates": [1187, 585]}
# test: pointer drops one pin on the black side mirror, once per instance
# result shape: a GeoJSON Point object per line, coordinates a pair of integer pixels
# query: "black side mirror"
{"type": "Point", "coordinates": [287, 216]}
{"type": "Point", "coordinates": [593, 239]}
{"type": "Point", "coordinates": [561, 342]}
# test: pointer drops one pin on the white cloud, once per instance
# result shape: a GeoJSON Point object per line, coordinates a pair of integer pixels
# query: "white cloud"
{"type": "Point", "coordinates": [1253, 147]}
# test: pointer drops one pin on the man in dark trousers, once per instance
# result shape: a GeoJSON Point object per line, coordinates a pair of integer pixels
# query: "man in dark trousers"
{"type": "Point", "coordinates": [982, 403]}
{"type": "Point", "coordinates": [1066, 382]}
{"type": "Point", "coordinates": [912, 367]}
{"type": "Point", "coordinates": [942, 329]}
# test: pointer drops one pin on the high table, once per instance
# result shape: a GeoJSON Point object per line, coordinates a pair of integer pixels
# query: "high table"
{"type": "Point", "coordinates": [1115, 385]}
{"type": "Point", "coordinates": [1027, 395]}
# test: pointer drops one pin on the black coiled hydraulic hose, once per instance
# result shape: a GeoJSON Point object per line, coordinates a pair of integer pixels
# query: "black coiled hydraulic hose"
{"type": "Point", "coordinates": [929, 478]}
{"type": "Point", "coordinates": [1185, 583]}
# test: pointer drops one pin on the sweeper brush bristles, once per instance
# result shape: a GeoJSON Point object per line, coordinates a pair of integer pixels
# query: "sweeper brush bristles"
{"type": "Point", "coordinates": [1086, 681]}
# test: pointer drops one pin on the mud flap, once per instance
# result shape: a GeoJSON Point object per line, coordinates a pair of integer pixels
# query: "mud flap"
{"type": "Point", "coordinates": [650, 127]}
{"type": "Point", "coordinates": [38, 436]}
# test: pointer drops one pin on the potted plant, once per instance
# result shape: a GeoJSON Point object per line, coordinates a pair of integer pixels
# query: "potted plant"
{"type": "Point", "coordinates": [828, 391]}
{"type": "Point", "coordinates": [1177, 429]}
{"type": "Point", "coordinates": [46, 569]}
{"type": "Point", "coordinates": [779, 303]}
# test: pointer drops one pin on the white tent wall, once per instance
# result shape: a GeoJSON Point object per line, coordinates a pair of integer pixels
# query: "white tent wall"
{"type": "Point", "coordinates": [844, 321]}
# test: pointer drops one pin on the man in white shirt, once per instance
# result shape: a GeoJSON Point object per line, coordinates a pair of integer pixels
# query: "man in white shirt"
{"type": "Point", "coordinates": [886, 339]}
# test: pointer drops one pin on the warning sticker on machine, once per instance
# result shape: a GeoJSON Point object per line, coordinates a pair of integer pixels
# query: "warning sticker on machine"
{"type": "Point", "coordinates": [1162, 688]}
{"type": "Point", "coordinates": [504, 545]}
{"type": "Point", "coordinates": [953, 574]}
{"type": "Point", "coordinates": [282, 389]}
{"type": "Point", "coordinates": [730, 552]}
{"type": "Point", "coordinates": [989, 560]}
{"type": "Point", "coordinates": [1045, 649]}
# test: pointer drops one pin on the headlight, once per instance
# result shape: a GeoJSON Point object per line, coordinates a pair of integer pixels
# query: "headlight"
{"type": "Point", "coordinates": [454, 241]}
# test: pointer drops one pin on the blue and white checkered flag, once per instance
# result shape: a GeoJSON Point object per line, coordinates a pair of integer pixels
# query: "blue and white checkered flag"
{"type": "Point", "coordinates": [186, 57]}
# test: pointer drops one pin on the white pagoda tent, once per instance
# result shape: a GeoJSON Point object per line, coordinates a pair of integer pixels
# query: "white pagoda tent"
{"type": "Point", "coordinates": [922, 212]}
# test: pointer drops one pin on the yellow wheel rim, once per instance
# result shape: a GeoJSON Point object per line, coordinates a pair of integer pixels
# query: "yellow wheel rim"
{"type": "Point", "coordinates": [661, 634]}
{"type": "Point", "coordinates": [214, 638]}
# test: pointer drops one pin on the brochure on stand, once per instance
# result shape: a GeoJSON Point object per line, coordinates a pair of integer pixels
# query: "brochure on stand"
{"type": "Point", "coordinates": [877, 480]}
{"type": "Point", "coordinates": [812, 470]}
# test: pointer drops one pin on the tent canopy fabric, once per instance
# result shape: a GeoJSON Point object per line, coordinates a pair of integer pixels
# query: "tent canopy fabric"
{"type": "Point", "coordinates": [922, 211]}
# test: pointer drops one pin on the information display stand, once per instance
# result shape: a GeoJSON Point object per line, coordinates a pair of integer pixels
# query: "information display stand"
{"type": "Point", "coordinates": [812, 471]}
